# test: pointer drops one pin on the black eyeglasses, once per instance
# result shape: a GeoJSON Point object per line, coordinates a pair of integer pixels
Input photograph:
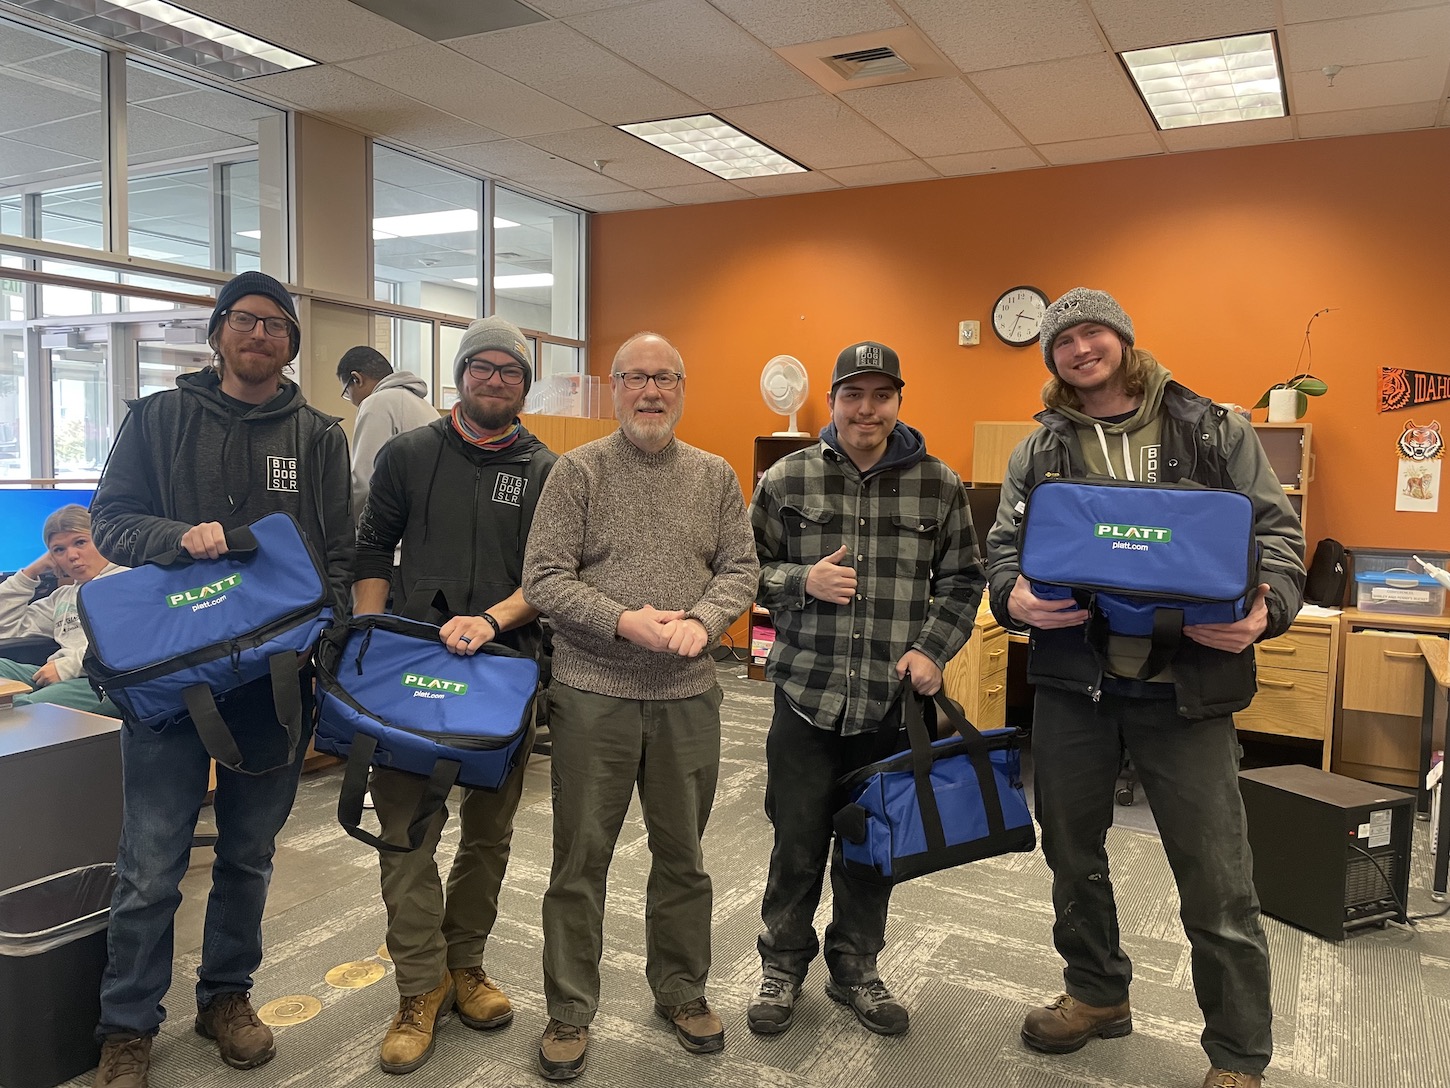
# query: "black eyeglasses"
{"type": "Point", "coordinates": [665, 380]}
{"type": "Point", "coordinates": [243, 321]}
{"type": "Point", "coordinates": [508, 373]}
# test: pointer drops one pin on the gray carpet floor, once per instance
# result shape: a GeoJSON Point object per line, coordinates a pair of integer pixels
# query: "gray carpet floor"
{"type": "Point", "coordinates": [969, 950]}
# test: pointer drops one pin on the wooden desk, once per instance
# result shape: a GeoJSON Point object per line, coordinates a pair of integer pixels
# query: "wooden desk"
{"type": "Point", "coordinates": [1296, 675]}
{"type": "Point", "coordinates": [1381, 707]}
{"type": "Point", "coordinates": [1436, 652]}
{"type": "Point", "coordinates": [60, 791]}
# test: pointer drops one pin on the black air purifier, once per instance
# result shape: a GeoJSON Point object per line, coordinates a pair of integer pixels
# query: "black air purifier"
{"type": "Point", "coordinates": [1331, 854]}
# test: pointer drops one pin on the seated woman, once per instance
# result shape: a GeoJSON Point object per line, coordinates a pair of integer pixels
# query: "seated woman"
{"type": "Point", "coordinates": [73, 557]}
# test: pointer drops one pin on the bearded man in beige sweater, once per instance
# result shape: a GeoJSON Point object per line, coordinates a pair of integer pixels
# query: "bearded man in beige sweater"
{"type": "Point", "coordinates": [635, 599]}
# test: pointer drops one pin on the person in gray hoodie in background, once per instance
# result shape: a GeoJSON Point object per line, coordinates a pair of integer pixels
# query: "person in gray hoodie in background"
{"type": "Point", "coordinates": [388, 402]}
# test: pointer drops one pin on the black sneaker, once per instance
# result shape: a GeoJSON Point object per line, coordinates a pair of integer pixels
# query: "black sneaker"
{"type": "Point", "coordinates": [873, 1005]}
{"type": "Point", "coordinates": [774, 1006]}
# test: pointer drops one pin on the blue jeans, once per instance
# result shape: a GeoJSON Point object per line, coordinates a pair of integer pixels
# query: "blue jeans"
{"type": "Point", "coordinates": [164, 779]}
{"type": "Point", "coordinates": [1189, 772]}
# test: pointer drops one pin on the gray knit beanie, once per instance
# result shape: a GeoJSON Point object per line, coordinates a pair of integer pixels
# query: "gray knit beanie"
{"type": "Point", "coordinates": [1080, 305]}
{"type": "Point", "coordinates": [493, 334]}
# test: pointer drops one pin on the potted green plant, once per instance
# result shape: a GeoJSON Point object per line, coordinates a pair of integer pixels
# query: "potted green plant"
{"type": "Point", "coordinates": [1293, 396]}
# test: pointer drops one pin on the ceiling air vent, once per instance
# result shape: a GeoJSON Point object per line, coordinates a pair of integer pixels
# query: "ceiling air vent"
{"type": "Point", "coordinates": [868, 63]}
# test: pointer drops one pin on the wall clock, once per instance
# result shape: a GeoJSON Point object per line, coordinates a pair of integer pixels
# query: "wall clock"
{"type": "Point", "coordinates": [1017, 315]}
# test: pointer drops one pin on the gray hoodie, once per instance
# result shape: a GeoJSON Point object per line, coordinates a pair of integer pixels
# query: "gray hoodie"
{"type": "Point", "coordinates": [398, 404]}
{"type": "Point", "coordinates": [54, 617]}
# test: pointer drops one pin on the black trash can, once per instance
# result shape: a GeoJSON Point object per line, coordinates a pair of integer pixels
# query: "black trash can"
{"type": "Point", "coordinates": [52, 956]}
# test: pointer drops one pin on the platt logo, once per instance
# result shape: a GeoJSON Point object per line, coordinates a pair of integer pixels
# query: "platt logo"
{"type": "Point", "coordinates": [204, 596]}
{"type": "Point", "coordinates": [431, 687]}
{"type": "Point", "coordinates": [1135, 538]}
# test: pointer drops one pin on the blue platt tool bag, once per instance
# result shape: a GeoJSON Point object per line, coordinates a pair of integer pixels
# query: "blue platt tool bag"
{"type": "Point", "coordinates": [390, 694]}
{"type": "Point", "coordinates": [175, 636]}
{"type": "Point", "coordinates": [935, 805]}
{"type": "Point", "coordinates": [1144, 559]}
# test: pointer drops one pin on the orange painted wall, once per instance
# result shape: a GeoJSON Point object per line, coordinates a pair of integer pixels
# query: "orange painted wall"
{"type": "Point", "coordinates": [1220, 258]}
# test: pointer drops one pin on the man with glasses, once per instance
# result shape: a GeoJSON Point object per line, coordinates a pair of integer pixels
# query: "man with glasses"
{"type": "Point", "coordinates": [227, 446]}
{"type": "Point", "coordinates": [459, 496]}
{"type": "Point", "coordinates": [635, 598]}
{"type": "Point", "coordinates": [388, 403]}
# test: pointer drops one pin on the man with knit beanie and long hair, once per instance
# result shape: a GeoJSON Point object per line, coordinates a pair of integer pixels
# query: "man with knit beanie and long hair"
{"type": "Point", "coordinates": [227, 446]}
{"type": "Point", "coordinates": [641, 558]}
{"type": "Point", "coordinates": [1113, 412]}
{"type": "Point", "coordinates": [459, 496]}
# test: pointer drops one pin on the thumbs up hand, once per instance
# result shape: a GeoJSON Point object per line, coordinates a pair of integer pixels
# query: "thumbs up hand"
{"type": "Point", "coordinates": [830, 581]}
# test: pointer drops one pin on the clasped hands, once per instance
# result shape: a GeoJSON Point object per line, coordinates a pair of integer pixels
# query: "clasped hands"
{"type": "Point", "coordinates": [664, 632]}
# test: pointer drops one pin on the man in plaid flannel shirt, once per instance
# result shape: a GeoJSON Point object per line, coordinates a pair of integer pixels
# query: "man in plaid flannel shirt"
{"type": "Point", "coordinates": [869, 567]}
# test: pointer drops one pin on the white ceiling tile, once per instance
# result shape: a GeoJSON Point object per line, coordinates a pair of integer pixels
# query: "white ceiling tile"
{"type": "Point", "coordinates": [1133, 24]}
{"type": "Point", "coordinates": [527, 164]}
{"type": "Point", "coordinates": [1080, 98]}
{"type": "Point", "coordinates": [564, 64]}
{"type": "Point", "coordinates": [1308, 11]}
{"type": "Point", "coordinates": [1266, 130]}
{"type": "Point", "coordinates": [1365, 86]}
{"type": "Point", "coordinates": [884, 173]}
{"type": "Point", "coordinates": [986, 162]}
{"type": "Point", "coordinates": [37, 161]}
{"type": "Point", "coordinates": [455, 84]}
{"type": "Point", "coordinates": [819, 132]}
{"type": "Point", "coordinates": [778, 24]}
{"type": "Point", "coordinates": [325, 30]}
{"type": "Point", "coordinates": [363, 104]}
{"type": "Point", "coordinates": [1101, 150]}
{"type": "Point", "coordinates": [621, 202]}
{"type": "Point", "coordinates": [1004, 34]}
{"type": "Point", "coordinates": [785, 184]}
{"type": "Point", "coordinates": [1373, 39]}
{"type": "Point", "coordinates": [627, 159]}
{"type": "Point", "coordinates": [690, 45]}
{"type": "Point", "coordinates": [933, 117]}
{"type": "Point", "coordinates": [1359, 122]}
{"type": "Point", "coordinates": [712, 192]}
{"type": "Point", "coordinates": [563, 9]}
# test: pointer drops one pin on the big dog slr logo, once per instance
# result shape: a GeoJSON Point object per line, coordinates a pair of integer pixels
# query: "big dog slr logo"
{"type": "Point", "coordinates": [1132, 538]}
{"type": "Point", "coordinates": [204, 596]}
{"type": "Point", "coordinates": [430, 687]}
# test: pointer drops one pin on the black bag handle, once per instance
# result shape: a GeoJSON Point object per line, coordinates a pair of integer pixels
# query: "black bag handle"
{"type": "Point", "coordinates": [216, 736]}
{"type": "Point", "coordinates": [241, 544]}
{"type": "Point", "coordinates": [354, 785]}
{"type": "Point", "coordinates": [977, 751]}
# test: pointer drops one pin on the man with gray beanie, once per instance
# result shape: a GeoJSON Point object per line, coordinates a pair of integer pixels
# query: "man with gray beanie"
{"type": "Point", "coordinates": [458, 495]}
{"type": "Point", "coordinates": [1112, 411]}
{"type": "Point", "coordinates": [227, 446]}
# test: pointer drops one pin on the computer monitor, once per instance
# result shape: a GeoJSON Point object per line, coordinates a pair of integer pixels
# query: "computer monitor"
{"type": "Point", "coordinates": [982, 501]}
{"type": "Point", "coordinates": [23, 511]}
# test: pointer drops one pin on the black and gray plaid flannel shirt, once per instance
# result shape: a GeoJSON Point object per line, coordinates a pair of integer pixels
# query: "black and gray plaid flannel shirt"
{"type": "Point", "coordinates": [910, 539]}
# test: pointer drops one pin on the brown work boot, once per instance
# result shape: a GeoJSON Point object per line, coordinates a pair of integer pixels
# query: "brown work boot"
{"type": "Point", "coordinates": [125, 1060]}
{"type": "Point", "coordinates": [696, 1025]}
{"type": "Point", "coordinates": [1067, 1024]}
{"type": "Point", "coordinates": [561, 1050]}
{"type": "Point", "coordinates": [409, 1041]}
{"type": "Point", "coordinates": [480, 1004]}
{"type": "Point", "coordinates": [244, 1041]}
{"type": "Point", "coordinates": [1227, 1078]}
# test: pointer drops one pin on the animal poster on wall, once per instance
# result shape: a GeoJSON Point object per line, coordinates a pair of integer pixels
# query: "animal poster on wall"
{"type": "Point", "coordinates": [1418, 484]}
{"type": "Point", "coordinates": [1400, 388]}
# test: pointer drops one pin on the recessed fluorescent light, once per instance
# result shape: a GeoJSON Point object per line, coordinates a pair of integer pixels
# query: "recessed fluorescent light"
{"type": "Point", "coordinates": [499, 223]}
{"type": "Point", "coordinates": [452, 221]}
{"type": "Point", "coordinates": [711, 144]}
{"type": "Point", "coordinates": [249, 234]}
{"type": "Point", "coordinates": [1210, 82]}
{"type": "Point", "coordinates": [531, 279]}
{"type": "Point", "coordinates": [174, 33]}
{"type": "Point", "coordinates": [468, 281]}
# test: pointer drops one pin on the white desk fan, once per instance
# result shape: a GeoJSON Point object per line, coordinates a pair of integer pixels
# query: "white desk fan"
{"type": "Point", "coordinates": [785, 385]}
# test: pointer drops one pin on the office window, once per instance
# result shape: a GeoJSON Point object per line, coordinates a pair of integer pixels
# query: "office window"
{"type": "Point", "coordinates": [194, 159]}
{"type": "Point", "coordinates": [536, 263]}
{"type": "Point", "coordinates": [54, 142]}
{"type": "Point", "coordinates": [427, 234]}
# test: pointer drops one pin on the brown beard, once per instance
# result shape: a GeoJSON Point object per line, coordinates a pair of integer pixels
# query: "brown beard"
{"type": "Point", "coordinates": [488, 414]}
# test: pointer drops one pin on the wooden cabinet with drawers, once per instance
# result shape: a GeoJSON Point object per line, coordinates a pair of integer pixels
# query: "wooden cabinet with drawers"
{"type": "Point", "coordinates": [1296, 674]}
{"type": "Point", "coordinates": [977, 677]}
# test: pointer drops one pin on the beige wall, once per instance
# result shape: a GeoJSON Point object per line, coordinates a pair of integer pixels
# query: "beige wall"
{"type": "Point", "coordinates": [330, 209]}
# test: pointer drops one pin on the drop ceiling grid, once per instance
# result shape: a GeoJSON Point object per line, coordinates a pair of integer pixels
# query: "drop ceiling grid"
{"type": "Point", "coordinates": [780, 24]}
{"type": "Point", "coordinates": [1392, 83]}
{"type": "Point", "coordinates": [627, 159]}
{"type": "Point", "coordinates": [884, 173]}
{"type": "Point", "coordinates": [1061, 100]}
{"type": "Point", "coordinates": [820, 131]}
{"type": "Point", "coordinates": [324, 30]}
{"type": "Point", "coordinates": [622, 202]}
{"type": "Point", "coordinates": [440, 77]}
{"type": "Point", "coordinates": [933, 117]}
{"type": "Point", "coordinates": [1132, 24]}
{"type": "Point", "coordinates": [1362, 122]}
{"type": "Point", "coordinates": [987, 162]}
{"type": "Point", "coordinates": [1006, 33]}
{"type": "Point", "coordinates": [1263, 130]}
{"type": "Point", "coordinates": [1072, 152]}
{"type": "Point", "coordinates": [708, 193]}
{"type": "Point", "coordinates": [517, 161]}
{"type": "Point", "coordinates": [696, 49]}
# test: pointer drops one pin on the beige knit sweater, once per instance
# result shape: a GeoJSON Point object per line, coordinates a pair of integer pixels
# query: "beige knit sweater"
{"type": "Point", "coordinates": [617, 529]}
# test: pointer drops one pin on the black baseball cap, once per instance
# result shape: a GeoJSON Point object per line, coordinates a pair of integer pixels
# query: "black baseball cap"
{"type": "Point", "coordinates": [867, 357]}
